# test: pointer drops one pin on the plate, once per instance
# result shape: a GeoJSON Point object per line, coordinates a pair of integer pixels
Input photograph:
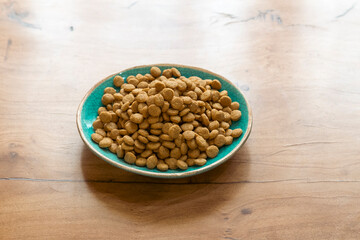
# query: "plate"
{"type": "Point", "coordinates": [87, 113]}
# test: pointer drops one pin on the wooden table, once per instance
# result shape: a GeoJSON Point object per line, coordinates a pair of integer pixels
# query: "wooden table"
{"type": "Point", "coordinates": [297, 177]}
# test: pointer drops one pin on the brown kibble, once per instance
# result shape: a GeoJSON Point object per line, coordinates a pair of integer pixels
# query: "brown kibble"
{"type": "Point", "coordinates": [162, 166]}
{"type": "Point", "coordinates": [225, 101]}
{"type": "Point", "coordinates": [172, 163]}
{"type": "Point", "coordinates": [153, 138]}
{"type": "Point", "coordinates": [212, 151]}
{"type": "Point", "coordinates": [128, 87]}
{"type": "Point", "coordinates": [192, 144]}
{"type": "Point", "coordinates": [228, 132]}
{"type": "Point", "coordinates": [184, 148]}
{"type": "Point", "coordinates": [131, 127]}
{"type": "Point", "coordinates": [144, 125]}
{"type": "Point", "coordinates": [139, 144]}
{"type": "Point", "coordinates": [97, 124]}
{"type": "Point", "coordinates": [105, 142]}
{"type": "Point", "coordinates": [159, 86]}
{"type": "Point", "coordinates": [165, 137]}
{"type": "Point", "coordinates": [214, 125]}
{"type": "Point", "coordinates": [110, 90]}
{"type": "Point", "coordinates": [174, 131]}
{"type": "Point", "coordinates": [167, 93]}
{"type": "Point", "coordinates": [190, 162]}
{"type": "Point", "coordinates": [204, 132]}
{"type": "Point", "coordinates": [141, 97]}
{"type": "Point", "coordinates": [167, 144]}
{"type": "Point", "coordinates": [194, 153]}
{"type": "Point", "coordinates": [201, 141]}
{"type": "Point", "coordinates": [118, 81]}
{"type": "Point", "coordinates": [235, 115]}
{"type": "Point", "coordinates": [167, 73]}
{"type": "Point", "coordinates": [110, 126]}
{"type": "Point", "coordinates": [234, 106]}
{"type": "Point", "coordinates": [155, 72]}
{"type": "Point", "coordinates": [188, 135]}
{"type": "Point", "coordinates": [101, 132]}
{"type": "Point", "coordinates": [206, 96]}
{"type": "Point", "coordinates": [154, 110]}
{"type": "Point", "coordinates": [175, 72]}
{"type": "Point", "coordinates": [155, 131]}
{"type": "Point", "coordinates": [187, 127]}
{"type": "Point", "coordinates": [133, 81]}
{"type": "Point", "coordinates": [136, 118]}
{"type": "Point", "coordinates": [146, 153]}
{"type": "Point", "coordinates": [220, 140]}
{"type": "Point", "coordinates": [181, 164]}
{"type": "Point", "coordinates": [175, 153]}
{"type": "Point", "coordinates": [163, 152]}
{"type": "Point", "coordinates": [128, 140]}
{"type": "Point", "coordinates": [107, 98]}
{"type": "Point", "coordinates": [143, 139]}
{"type": "Point", "coordinates": [141, 162]}
{"type": "Point", "coordinates": [151, 162]}
{"type": "Point", "coordinates": [113, 147]}
{"type": "Point", "coordinates": [219, 116]}
{"type": "Point", "coordinates": [153, 145]}
{"type": "Point", "coordinates": [215, 84]}
{"type": "Point", "coordinates": [188, 117]}
{"type": "Point", "coordinates": [228, 140]}
{"type": "Point", "coordinates": [130, 158]}
{"type": "Point", "coordinates": [200, 161]}
{"type": "Point", "coordinates": [177, 103]}
{"type": "Point", "coordinates": [96, 137]}
{"type": "Point", "coordinates": [175, 119]}
{"type": "Point", "coordinates": [120, 152]}
{"type": "Point", "coordinates": [114, 133]}
{"type": "Point", "coordinates": [236, 133]}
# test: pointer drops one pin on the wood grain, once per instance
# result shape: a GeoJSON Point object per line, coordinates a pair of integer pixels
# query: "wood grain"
{"type": "Point", "coordinates": [297, 177]}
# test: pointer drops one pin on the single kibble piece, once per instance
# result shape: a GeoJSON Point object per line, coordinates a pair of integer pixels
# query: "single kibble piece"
{"type": "Point", "coordinates": [212, 151]}
{"type": "Point", "coordinates": [200, 161]}
{"type": "Point", "coordinates": [105, 142]}
{"type": "Point", "coordinates": [181, 164]}
{"type": "Point", "coordinates": [225, 101]}
{"type": "Point", "coordinates": [118, 81]}
{"type": "Point", "coordinates": [136, 118]}
{"type": "Point", "coordinates": [96, 137]}
{"type": "Point", "coordinates": [151, 162]}
{"type": "Point", "coordinates": [235, 115]}
{"type": "Point", "coordinates": [215, 84]}
{"type": "Point", "coordinates": [174, 131]}
{"type": "Point", "coordinates": [236, 133]}
{"type": "Point", "coordinates": [220, 140]}
{"type": "Point", "coordinates": [105, 117]}
{"type": "Point", "coordinates": [155, 72]}
{"type": "Point", "coordinates": [130, 158]}
{"type": "Point", "coordinates": [107, 99]}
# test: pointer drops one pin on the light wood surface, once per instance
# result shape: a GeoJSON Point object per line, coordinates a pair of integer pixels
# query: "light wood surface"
{"type": "Point", "coordinates": [297, 177]}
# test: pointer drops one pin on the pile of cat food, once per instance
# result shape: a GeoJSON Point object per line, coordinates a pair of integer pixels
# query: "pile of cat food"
{"type": "Point", "coordinates": [164, 120]}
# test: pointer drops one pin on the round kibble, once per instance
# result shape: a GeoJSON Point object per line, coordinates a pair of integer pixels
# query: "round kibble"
{"type": "Point", "coordinates": [212, 151]}
{"type": "Point", "coordinates": [96, 137]}
{"type": "Point", "coordinates": [220, 140]}
{"type": "Point", "coordinates": [200, 161]}
{"type": "Point", "coordinates": [118, 81]}
{"type": "Point", "coordinates": [130, 158]}
{"type": "Point", "coordinates": [236, 133]}
{"type": "Point", "coordinates": [225, 101]}
{"type": "Point", "coordinates": [154, 110]}
{"type": "Point", "coordinates": [151, 162]}
{"type": "Point", "coordinates": [235, 115]}
{"type": "Point", "coordinates": [136, 118]}
{"type": "Point", "coordinates": [181, 164]}
{"type": "Point", "coordinates": [105, 142]}
{"type": "Point", "coordinates": [174, 131]}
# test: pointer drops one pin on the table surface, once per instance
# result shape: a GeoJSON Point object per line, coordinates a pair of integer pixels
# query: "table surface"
{"type": "Point", "coordinates": [297, 176]}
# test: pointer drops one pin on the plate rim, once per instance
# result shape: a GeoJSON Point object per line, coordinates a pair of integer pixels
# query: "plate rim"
{"type": "Point", "coordinates": [164, 174]}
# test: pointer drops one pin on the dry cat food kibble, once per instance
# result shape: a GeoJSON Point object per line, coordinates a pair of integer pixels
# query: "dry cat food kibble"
{"type": "Point", "coordinates": [166, 121]}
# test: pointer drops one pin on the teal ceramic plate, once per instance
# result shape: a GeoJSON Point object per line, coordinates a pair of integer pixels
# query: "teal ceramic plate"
{"type": "Point", "coordinates": [87, 113]}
